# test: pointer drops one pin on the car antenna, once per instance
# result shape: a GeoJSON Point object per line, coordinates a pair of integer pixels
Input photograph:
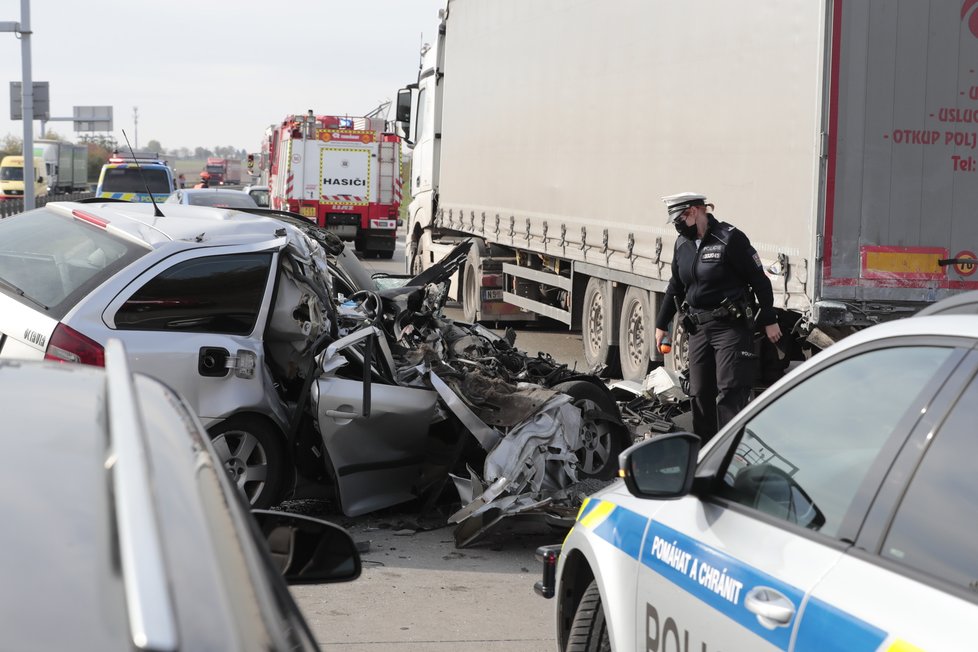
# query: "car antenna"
{"type": "Point", "coordinates": [157, 212]}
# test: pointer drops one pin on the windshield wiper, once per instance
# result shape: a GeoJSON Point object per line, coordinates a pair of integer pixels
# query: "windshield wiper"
{"type": "Point", "coordinates": [21, 293]}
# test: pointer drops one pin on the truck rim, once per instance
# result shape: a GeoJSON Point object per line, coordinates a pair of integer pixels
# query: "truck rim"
{"type": "Point", "coordinates": [635, 344]}
{"type": "Point", "coordinates": [595, 311]}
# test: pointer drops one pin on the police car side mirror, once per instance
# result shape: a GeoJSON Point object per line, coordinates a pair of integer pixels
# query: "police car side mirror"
{"type": "Point", "coordinates": [661, 468]}
{"type": "Point", "coordinates": [308, 550]}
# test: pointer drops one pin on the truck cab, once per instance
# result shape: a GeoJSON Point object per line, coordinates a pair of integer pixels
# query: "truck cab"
{"type": "Point", "coordinates": [133, 179]}
{"type": "Point", "coordinates": [12, 177]}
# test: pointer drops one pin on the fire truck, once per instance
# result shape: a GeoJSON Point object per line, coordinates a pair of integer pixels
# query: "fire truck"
{"type": "Point", "coordinates": [343, 172]}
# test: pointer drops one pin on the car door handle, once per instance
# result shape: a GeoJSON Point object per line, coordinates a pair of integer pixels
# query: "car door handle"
{"type": "Point", "coordinates": [340, 414]}
{"type": "Point", "coordinates": [771, 607]}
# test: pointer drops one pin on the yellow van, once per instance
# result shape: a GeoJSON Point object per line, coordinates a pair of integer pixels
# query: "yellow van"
{"type": "Point", "coordinates": [12, 177]}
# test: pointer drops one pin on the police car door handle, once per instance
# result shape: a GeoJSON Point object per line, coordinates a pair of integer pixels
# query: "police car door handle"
{"type": "Point", "coordinates": [771, 607]}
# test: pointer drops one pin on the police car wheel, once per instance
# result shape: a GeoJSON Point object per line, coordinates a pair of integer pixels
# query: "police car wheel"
{"type": "Point", "coordinates": [602, 439]}
{"type": "Point", "coordinates": [589, 631]}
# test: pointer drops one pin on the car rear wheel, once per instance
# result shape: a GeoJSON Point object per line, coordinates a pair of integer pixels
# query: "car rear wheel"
{"type": "Point", "coordinates": [602, 439]}
{"type": "Point", "coordinates": [589, 631]}
{"type": "Point", "coordinates": [251, 452]}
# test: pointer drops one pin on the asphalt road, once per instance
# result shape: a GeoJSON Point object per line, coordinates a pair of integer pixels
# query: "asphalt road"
{"type": "Point", "coordinates": [418, 591]}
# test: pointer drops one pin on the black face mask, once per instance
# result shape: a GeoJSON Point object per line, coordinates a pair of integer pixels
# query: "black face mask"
{"type": "Point", "coordinates": [685, 230]}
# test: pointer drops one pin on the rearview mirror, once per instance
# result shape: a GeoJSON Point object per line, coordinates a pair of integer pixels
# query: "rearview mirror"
{"type": "Point", "coordinates": [308, 550]}
{"type": "Point", "coordinates": [662, 467]}
{"type": "Point", "coordinates": [402, 114]}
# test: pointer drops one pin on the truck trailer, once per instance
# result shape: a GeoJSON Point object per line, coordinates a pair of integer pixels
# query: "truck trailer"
{"type": "Point", "coordinates": [840, 136]}
{"type": "Point", "coordinates": [65, 165]}
{"type": "Point", "coordinates": [343, 172]}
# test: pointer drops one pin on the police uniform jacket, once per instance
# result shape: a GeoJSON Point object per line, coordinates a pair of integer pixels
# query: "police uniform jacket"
{"type": "Point", "coordinates": [725, 266]}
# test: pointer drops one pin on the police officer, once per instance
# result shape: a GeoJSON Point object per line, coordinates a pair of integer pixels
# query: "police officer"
{"type": "Point", "coordinates": [716, 275]}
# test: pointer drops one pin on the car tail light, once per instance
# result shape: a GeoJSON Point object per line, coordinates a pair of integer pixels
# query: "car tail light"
{"type": "Point", "coordinates": [68, 345]}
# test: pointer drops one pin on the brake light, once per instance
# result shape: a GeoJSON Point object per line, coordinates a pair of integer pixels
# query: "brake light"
{"type": "Point", "coordinates": [68, 345]}
{"type": "Point", "coordinates": [91, 219]}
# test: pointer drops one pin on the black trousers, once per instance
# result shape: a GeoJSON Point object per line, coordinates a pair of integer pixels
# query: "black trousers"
{"type": "Point", "coordinates": [722, 368]}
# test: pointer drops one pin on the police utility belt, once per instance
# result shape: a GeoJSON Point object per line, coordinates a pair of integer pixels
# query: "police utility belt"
{"type": "Point", "coordinates": [727, 310]}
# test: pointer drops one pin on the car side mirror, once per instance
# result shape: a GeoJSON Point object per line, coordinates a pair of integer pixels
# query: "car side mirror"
{"type": "Point", "coordinates": [308, 550]}
{"type": "Point", "coordinates": [662, 467]}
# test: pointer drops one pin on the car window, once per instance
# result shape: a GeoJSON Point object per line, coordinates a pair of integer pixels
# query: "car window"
{"type": "Point", "coordinates": [804, 457]}
{"type": "Point", "coordinates": [55, 259]}
{"type": "Point", "coordinates": [214, 294]}
{"type": "Point", "coordinates": [934, 527]}
{"type": "Point", "coordinates": [135, 180]}
{"type": "Point", "coordinates": [260, 197]}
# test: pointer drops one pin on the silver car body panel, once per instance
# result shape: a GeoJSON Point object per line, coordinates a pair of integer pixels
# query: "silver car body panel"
{"type": "Point", "coordinates": [376, 459]}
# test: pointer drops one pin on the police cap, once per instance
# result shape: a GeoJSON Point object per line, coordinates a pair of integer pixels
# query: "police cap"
{"type": "Point", "coordinates": [676, 204]}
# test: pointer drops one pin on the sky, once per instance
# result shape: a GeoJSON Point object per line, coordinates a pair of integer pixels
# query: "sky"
{"type": "Point", "coordinates": [207, 74]}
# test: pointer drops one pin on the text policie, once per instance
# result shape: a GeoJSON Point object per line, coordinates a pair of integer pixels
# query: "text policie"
{"type": "Point", "coordinates": [703, 573]}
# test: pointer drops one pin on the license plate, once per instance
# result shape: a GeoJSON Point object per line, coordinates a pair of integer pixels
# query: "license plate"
{"type": "Point", "coordinates": [492, 295]}
{"type": "Point", "coordinates": [383, 224]}
{"type": "Point", "coordinates": [307, 211]}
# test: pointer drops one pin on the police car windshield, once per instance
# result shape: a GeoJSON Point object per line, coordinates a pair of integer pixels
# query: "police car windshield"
{"type": "Point", "coordinates": [11, 174]}
{"type": "Point", "coordinates": [130, 180]}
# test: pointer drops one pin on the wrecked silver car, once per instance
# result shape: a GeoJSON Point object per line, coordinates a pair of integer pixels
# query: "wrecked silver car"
{"type": "Point", "coordinates": [295, 360]}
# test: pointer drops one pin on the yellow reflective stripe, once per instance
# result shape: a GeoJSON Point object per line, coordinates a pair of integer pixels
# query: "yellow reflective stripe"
{"type": "Point", "coordinates": [596, 516]}
{"type": "Point", "coordinates": [903, 646]}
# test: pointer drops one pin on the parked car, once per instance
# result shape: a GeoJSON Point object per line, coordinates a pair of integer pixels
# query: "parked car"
{"type": "Point", "coordinates": [294, 365]}
{"type": "Point", "coordinates": [122, 532]}
{"type": "Point", "coordinates": [965, 303]}
{"type": "Point", "coordinates": [837, 511]}
{"type": "Point", "coordinates": [259, 194]}
{"type": "Point", "coordinates": [217, 197]}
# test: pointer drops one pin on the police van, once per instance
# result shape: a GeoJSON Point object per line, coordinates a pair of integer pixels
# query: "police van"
{"type": "Point", "coordinates": [838, 511]}
{"type": "Point", "coordinates": [135, 178]}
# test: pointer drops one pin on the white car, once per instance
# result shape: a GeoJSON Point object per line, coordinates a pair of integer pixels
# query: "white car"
{"type": "Point", "coordinates": [838, 511]}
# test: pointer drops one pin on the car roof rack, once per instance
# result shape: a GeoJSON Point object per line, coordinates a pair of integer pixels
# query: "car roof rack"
{"type": "Point", "coordinates": [152, 619]}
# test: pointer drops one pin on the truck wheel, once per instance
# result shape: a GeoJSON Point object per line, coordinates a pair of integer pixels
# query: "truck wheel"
{"type": "Point", "coordinates": [471, 285]}
{"type": "Point", "coordinates": [417, 258]}
{"type": "Point", "coordinates": [677, 360]}
{"type": "Point", "coordinates": [635, 337]}
{"type": "Point", "coordinates": [602, 439]}
{"type": "Point", "coordinates": [385, 255]}
{"type": "Point", "coordinates": [252, 454]}
{"type": "Point", "coordinates": [596, 327]}
{"type": "Point", "coordinates": [589, 631]}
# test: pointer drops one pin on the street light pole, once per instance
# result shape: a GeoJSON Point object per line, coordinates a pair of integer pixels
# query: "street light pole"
{"type": "Point", "coordinates": [27, 103]}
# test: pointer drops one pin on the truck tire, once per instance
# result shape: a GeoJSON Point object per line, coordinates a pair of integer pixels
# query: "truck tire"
{"type": "Point", "coordinates": [603, 439]}
{"type": "Point", "coordinates": [596, 327]}
{"type": "Point", "coordinates": [251, 451]}
{"type": "Point", "coordinates": [636, 336]}
{"type": "Point", "coordinates": [416, 259]}
{"type": "Point", "coordinates": [386, 255]}
{"type": "Point", "coordinates": [589, 630]}
{"type": "Point", "coordinates": [471, 287]}
{"type": "Point", "coordinates": [677, 359]}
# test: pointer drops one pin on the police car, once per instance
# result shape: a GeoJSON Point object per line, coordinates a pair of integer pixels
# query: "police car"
{"type": "Point", "coordinates": [838, 511]}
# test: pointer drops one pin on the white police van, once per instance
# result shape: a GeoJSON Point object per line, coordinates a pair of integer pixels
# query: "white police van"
{"type": "Point", "coordinates": [838, 511]}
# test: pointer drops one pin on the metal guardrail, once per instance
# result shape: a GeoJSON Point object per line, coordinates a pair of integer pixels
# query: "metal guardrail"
{"type": "Point", "coordinates": [13, 206]}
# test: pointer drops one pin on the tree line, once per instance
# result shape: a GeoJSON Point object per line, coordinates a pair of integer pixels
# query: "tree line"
{"type": "Point", "coordinates": [101, 147]}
